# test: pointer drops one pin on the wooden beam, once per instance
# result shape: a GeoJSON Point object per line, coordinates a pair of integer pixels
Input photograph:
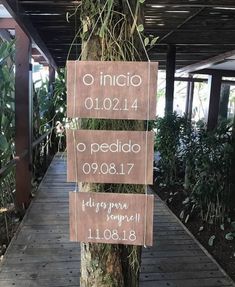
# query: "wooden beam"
{"type": "Point", "coordinates": [23, 117]}
{"type": "Point", "coordinates": [38, 59]}
{"type": "Point", "coordinates": [224, 73]}
{"type": "Point", "coordinates": [214, 82]}
{"type": "Point", "coordinates": [197, 3]}
{"type": "Point", "coordinates": [197, 37]}
{"type": "Point", "coordinates": [205, 64]}
{"type": "Point", "coordinates": [52, 3]}
{"type": "Point", "coordinates": [23, 21]}
{"type": "Point", "coordinates": [181, 24]}
{"type": "Point", "coordinates": [190, 79]}
{"type": "Point", "coordinates": [170, 76]}
{"type": "Point", "coordinates": [7, 23]}
{"type": "Point", "coordinates": [35, 52]}
{"type": "Point", "coordinates": [180, 57]}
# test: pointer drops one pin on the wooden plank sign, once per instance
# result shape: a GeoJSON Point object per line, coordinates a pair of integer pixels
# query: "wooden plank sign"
{"type": "Point", "coordinates": [111, 218]}
{"type": "Point", "coordinates": [111, 90]}
{"type": "Point", "coordinates": [110, 156]}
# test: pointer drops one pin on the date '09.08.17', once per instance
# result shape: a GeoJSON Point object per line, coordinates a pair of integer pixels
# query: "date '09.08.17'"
{"type": "Point", "coordinates": [109, 169]}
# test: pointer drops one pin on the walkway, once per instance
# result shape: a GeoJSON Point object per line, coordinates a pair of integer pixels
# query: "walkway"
{"type": "Point", "coordinates": [42, 256]}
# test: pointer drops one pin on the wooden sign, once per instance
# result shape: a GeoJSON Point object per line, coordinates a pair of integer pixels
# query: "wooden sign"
{"type": "Point", "coordinates": [110, 156]}
{"type": "Point", "coordinates": [111, 90]}
{"type": "Point", "coordinates": [111, 218]}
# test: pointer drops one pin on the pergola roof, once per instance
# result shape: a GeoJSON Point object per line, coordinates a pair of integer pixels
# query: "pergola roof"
{"type": "Point", "coordinates": [200, 29]}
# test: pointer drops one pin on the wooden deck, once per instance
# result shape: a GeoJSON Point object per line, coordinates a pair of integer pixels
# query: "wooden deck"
{"type": "Point", "coordinates": [41, 255]}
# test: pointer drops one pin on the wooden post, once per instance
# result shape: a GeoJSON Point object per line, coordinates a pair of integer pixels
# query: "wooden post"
{"type": "Point", "coordinates": [187, 97]}
{"type": "Point", "coordinates": [53, 148]}
{"type": "Point", "coordinates": [214, 82]}
{"type": "Point", "coordinates": [51, 79]}
{"type": "Point", "coordinates": [190, 98]}
{"type": "Point", "coordinates": [224, 99]}
{"type": "Point", "coordinates": [23, 121]}
{"type": "Point", "coordinates": [170, 78]}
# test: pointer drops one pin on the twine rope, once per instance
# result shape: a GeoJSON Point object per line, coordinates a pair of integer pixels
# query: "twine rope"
{"type": "Point", "coordinates": [147, 125]}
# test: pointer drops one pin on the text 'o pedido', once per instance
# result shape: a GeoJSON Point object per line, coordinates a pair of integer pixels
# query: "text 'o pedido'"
{"type": "Point", "coordinates": [115, 147]}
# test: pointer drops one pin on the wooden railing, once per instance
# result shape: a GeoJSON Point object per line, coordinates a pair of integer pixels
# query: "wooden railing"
{"type": "Point", "coordinates": [13, 162]}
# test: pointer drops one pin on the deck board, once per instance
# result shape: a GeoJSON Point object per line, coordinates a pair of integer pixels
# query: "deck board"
{"type": "Point", "coordinates": [41, 255]}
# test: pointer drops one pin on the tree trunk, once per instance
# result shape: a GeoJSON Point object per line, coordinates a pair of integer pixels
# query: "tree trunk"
{"type": "Point", "coordinates": [108, 265]}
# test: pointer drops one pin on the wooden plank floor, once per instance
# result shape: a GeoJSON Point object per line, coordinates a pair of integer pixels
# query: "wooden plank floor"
{"type": "Point", "coordinates": [41, 255]}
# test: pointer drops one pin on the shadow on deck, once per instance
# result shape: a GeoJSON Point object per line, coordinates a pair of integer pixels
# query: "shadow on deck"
{"type": "Point", "coordinates": [41, 255]}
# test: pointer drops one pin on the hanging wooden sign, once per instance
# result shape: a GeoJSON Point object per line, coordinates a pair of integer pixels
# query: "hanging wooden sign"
{"type": "Point", "coordinates": [111, 90]}
{"type": "Point", "coordinates": [110, 156]}
{"type": "Point", "coordinates": [111, 218]}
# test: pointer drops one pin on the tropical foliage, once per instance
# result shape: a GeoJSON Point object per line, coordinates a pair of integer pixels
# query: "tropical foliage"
{"type": "Point", "coordinates": [49, 116]}
{"type": "Point", "coordinates": [199, 159]}
{"type": "Point", "coordinates": [48, 110]}
{"type": "Point", "coordinates": [167, 143]}
{"type": "Point", "coordinates": [7, 125]}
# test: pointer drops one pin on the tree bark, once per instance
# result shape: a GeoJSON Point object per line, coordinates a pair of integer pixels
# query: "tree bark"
{"type": "Point", "coordinates": [108, 265]}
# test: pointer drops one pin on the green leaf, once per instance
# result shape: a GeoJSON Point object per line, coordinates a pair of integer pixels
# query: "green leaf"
{"type": "Point", "coordinates": [186, 219]}
{"type": "Point", "coordinates": [141, 1]}
{"type": "Point", "coordinates": [154, 41]}
{"type": "Point", "coordinates": [67, 17]}
{"type": "Point", "coordinates": [222, 226]}
{"type": "Point", "coordinates": [182, 214]}
{"type": "Point", "coordinates": [140, 28]}
{"type": "Point", "coordinates": [85, 27]}
{"type": "Point", "coordinates": [105, 23]}
{"type": "Point", "coordinates": [211, 240]}
{"type": "Point", "coordinates": [146, 41]}
{"type": "Point", "coordinates": [3, 143]}
{"type": "Point", "coordinates": [229, 236]}
{"type": "Point", "coordinates": [201, 228]}
{"type": "Point", "coordinates": [186, 201]}
{"type": "Point", "coordinates": [5, 122]}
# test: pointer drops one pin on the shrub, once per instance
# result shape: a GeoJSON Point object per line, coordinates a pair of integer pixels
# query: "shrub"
{"type": "Point", "coordinates": [167, 143]}
{"type": "Point", "coordinates": [212, 173]}
{"type": "Point", "coordinates": [203, 157]}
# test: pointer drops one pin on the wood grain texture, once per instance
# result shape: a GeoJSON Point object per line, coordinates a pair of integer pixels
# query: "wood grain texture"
{"type": "Point", "coordinates": [120, 218]}
{"type": "Point", "coordinates": [111, 90]}
{"type": "Point", "coordinates": [41, 254]}
{"type": "Point", "coordinates": [131, 167]}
